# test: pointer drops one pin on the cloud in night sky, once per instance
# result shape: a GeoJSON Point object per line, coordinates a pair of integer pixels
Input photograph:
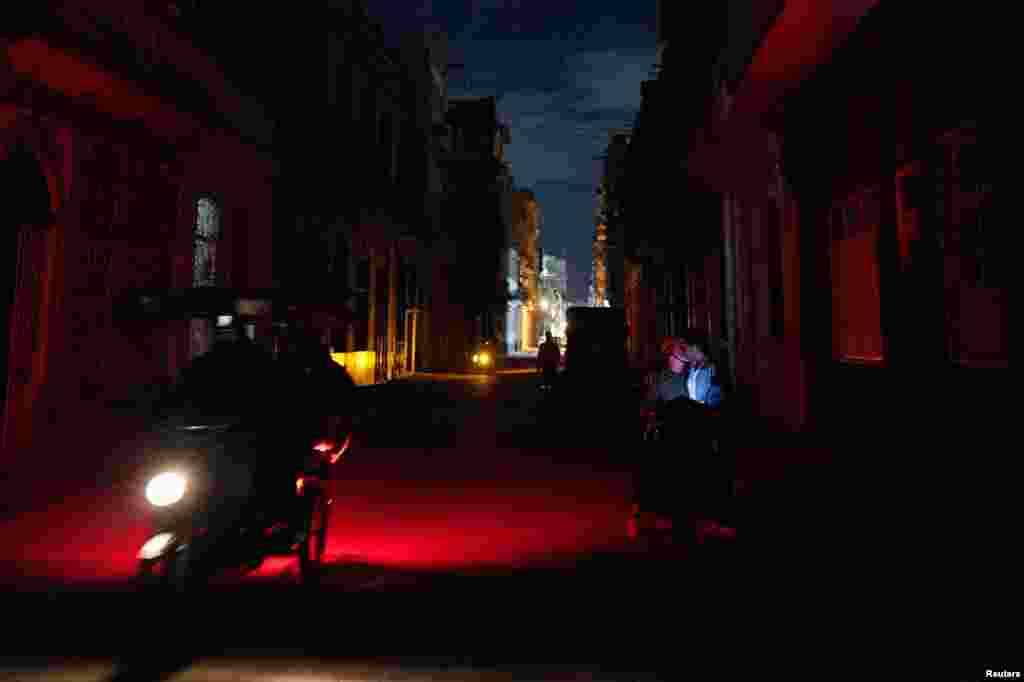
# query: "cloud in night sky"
{"type": "Point", "coordinates": [565, 73]}
{"type": "Point", "coordinates": [610, 80]}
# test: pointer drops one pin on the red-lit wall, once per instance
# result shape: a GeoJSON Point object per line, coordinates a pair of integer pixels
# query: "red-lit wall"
{"type": "Point", "coordinates": [904, 296]}
{"type": "Point", "coordinates": [124, 200]}
{"type": "Point", "coordinates": [768, 360]}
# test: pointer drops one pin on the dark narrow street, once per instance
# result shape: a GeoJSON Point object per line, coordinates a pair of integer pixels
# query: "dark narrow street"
{"type": "Point", "coordinates": [403, 339]}
{"type": "Point", "coordinates": [457, 504]}
{"type": "Point", "coordinates": [451, 472]}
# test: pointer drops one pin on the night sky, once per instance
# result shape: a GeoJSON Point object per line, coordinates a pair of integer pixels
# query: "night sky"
{"type": "Point", "coordinates": [565, 72]}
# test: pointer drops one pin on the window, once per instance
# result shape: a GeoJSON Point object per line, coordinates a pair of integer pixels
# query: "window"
{"type": "Point", "coordinates": [940, 191]}
{"type": "Point", "coordinates": [983, 247]}
{"type": "Point", "coordinates": [410, 284]}
{"type": "Point", "coordinates": [363, 275]}
{"type": "Point", "coordinates": [342, 85]}
{"type": "Point", "coordinates": [871, 209]}
{"type": "Point", "coordinates": [386, 139]}
{"type": "Point", "coordinates": [204, 243]}
{"type": "Point", "coordinates": [856, 309]}
{"type": "Point", "coordinates": [205, 235]}
{"type": "Point", "coordinates": [973, 165]}
{"type": "Point", "coordinates": [369, 110]}
{"type": "Point", "coordinates": [240, 247]}
{"type": "Point", "coordinates": [851, 221]}
{"type": "Point", "coordinates": [338, 262]}
{"type": "Point", "coordinates": [778, 312]}
{"type": "Point", "coordinates": [911, 196]}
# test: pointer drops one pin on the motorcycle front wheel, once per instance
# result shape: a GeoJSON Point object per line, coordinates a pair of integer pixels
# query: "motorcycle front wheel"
{"type": "Point", "coordinates": [314, 542]}
{"type": "Point", "coordinates": [171, 572]}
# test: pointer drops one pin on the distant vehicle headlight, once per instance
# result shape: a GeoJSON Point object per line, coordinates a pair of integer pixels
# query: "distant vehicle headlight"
{"type": "Point", "coordinates": [485, 359]}
{"type": "Point", "coordinates": [166, 489]}
{"type": "Point", "coordinates": [476, 358]}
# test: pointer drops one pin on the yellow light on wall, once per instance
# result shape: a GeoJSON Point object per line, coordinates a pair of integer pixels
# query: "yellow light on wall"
{"type": "Point", "coordinates": [359, 365]}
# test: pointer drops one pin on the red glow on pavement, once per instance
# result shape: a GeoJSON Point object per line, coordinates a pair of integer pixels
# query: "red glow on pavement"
{"type": "Point", "coordinates": [482, 525]}
{"type": "Point", "coordinates": [401, 524]}
{"type": "Point", "coordinates": [276, 566]}
{"type": "Point", "coordinates": [77, 539]}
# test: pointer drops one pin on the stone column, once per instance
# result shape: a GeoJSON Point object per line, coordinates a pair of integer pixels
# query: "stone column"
{"type": "Point", "coordinates": [729, 284]}
{"type": "Point", "coordinates": [414, 317]}
{"type": "Point", "coordinates": [392, 330]}
{"type": "Point", "coordinates": [350, 281]}
{"type": "Point", "coordinates": [371, 336]}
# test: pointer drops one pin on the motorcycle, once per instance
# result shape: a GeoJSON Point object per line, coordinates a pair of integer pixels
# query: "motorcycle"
{"type": "Point", "coordinates": [206, 520]}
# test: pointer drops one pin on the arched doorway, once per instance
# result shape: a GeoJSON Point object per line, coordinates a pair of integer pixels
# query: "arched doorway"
{"type": "Point", "coordinates": [23, 244]}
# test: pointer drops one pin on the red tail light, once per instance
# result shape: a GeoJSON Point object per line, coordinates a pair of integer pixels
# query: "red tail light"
{"type": "Point", "coordinates": [333, 451]}
{"type": "Point", "coordinates": [341, 451]}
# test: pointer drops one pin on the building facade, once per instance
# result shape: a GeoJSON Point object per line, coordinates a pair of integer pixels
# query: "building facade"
{"type": "Point", "coordinates": [611, 218]}
{"type": "Point", "coordinates": [554, 293]}
{"type": "Point", "coordinates": [373, 226]}
{"type": "Point", "coordinates": [524, 309]}
{"type": "Point", "coordinates": [598, 289]}
{"type": "Point", "coordinates": [475, 210]}
{"type": "Point", "coordinates": [132, 164]}
{"type": "Point", "coordinates": [829, 197]}
{"type": "Point", "coordinates": [358, 218]}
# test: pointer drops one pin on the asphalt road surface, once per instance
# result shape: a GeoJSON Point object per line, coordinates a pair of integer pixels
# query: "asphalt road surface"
{"type": "Point", "coordinates": [478, 533]}
{"type": "Point", "coordinates": [295, 667]}
{"type": "Point", "coordinates": [451, 473]}
{"type": "Point", "coordinates": [470, 517]}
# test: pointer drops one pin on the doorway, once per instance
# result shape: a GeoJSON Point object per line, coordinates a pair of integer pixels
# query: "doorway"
{"type": "Point", "coordinates": [24, 289]}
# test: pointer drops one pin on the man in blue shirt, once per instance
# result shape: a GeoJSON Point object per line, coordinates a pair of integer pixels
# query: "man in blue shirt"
{"type": "Point", "coordinates": [702, 382]}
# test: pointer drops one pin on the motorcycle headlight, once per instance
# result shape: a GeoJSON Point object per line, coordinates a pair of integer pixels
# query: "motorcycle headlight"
{"type": "Point", "coordinates": [166, 489]}
{"type": "Point", "coordinates": [156, 546]}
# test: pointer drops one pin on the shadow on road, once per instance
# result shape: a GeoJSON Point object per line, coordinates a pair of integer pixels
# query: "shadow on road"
{"type": "Point", "coordinates": [153, 666]}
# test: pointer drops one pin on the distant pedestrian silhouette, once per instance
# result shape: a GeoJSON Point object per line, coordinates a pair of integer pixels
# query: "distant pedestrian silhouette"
{"type": "Point", "coordinates": [548, 358]}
